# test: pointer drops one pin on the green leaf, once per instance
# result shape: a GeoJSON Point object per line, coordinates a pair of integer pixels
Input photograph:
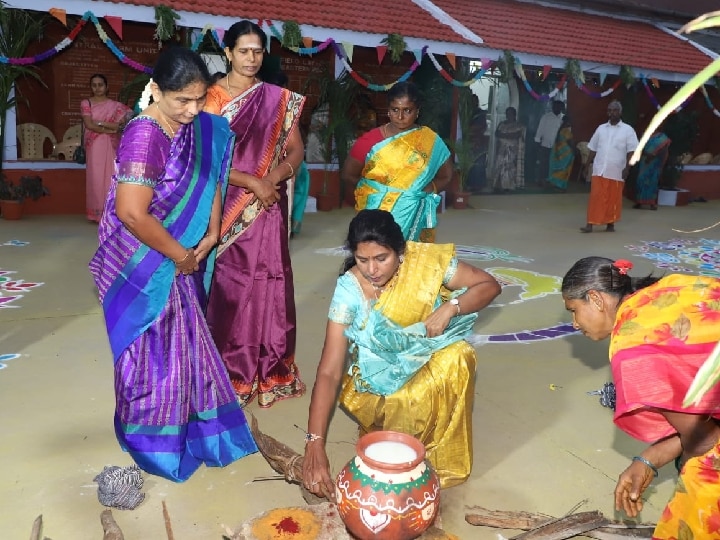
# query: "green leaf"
{"type": "Point", "coordinates": [708, 20]}
{"type": "Point", "coordinates": [707, 376]}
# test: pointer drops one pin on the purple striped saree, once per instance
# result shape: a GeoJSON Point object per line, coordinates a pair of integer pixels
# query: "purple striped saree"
{"type": "Point", "coordinates": [175, 406]}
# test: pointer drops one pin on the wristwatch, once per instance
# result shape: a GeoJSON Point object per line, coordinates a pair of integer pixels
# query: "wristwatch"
{"type": "Point", "coordinates": [455, 302]}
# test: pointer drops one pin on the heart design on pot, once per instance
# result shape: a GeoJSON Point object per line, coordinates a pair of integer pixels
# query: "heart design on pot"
{"type": "Point", "coordinates": [374, 521]}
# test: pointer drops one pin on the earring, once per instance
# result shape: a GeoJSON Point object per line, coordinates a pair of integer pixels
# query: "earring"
{"type": "Point", "coordinates": [402, 258]}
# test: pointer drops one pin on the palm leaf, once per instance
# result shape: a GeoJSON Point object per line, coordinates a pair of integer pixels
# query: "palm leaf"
{"type": "Point", "coordinates": [707, 376]}
{"type": "Point", "coordinates": [708, 20]}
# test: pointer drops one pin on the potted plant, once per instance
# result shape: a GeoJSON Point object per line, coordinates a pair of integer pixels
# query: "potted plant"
{"type": "Point", "coordinates": [18, 28]}
{"type": "Point", "coordinates": [336, 107]}
{"type": "Point", "coordinates": [13, 195]}
{"type": "Point", "coordinates": [463, 149]}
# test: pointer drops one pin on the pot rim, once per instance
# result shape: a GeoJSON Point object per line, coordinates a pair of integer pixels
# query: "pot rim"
{"type": "Point", "coordinates": [394, 436]}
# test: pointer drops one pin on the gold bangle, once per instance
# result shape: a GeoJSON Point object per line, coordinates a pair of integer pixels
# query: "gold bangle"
{"type": "Point", "coordinates": [185, 258]}
{"type": "Point", "coordinates": [292, 170]}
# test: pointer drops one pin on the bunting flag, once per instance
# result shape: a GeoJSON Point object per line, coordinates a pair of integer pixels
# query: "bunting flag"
{"type": "Point", "coordinates": [418, 55]}
{"type": "Point", "coordinates": [546, 71]}
{"type": "Point", "coordinates": [603, 75]}
{"type": "Point", "coordinates": [116, 23]}
{"type": "Point", "coordinates": [307, 41]}
{"type": "Point", "coordinates": [451, 58]}
{"type": "Point", "coordinates": [221, 35]}
{"type": "Point", "coordinates": [655, 82]}
{"type": "Point", "coordinates": [381, 50]}
{"type": "Point", "coordinates": [349, 48]}
{"type": "Point", "coordinates": [59, 14]}
{"type": "Point", "coordinates": [485, 63]}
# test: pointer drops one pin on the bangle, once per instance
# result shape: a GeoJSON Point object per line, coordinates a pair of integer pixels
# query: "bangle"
{"type": "Point", "coordinates": [292, 171]}
{"type": "Point", "coordinates": [185, 258]}
{"type": "Point", "coordinates": [641, 459]}
{"type": "Point", "coordinates": [310, 437]}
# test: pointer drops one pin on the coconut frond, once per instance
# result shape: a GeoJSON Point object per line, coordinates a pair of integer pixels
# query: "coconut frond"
{"type": "Point", "coordinates": [165, 18]}
{"type": "Point", "coordinates": [396, 46]}
{"type": "Point", "coordinates": [292, 36]}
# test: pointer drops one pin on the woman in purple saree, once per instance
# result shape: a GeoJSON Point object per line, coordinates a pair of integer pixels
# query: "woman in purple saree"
{"type": "Point", "coordinates": [251, 311]}
{"type": "Point", "coordinates": [175, 406]}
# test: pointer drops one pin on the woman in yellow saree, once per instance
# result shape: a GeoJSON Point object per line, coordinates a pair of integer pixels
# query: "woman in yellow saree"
{"type": "Point", "coordinates": [401, 167]}
{"type": "Point", "coordinates": [402, 309]}
{"type": "Point", "coordinates": [661, 331]}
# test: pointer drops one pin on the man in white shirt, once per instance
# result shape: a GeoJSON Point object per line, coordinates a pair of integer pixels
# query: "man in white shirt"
{"type": "Point", "coordinates": [545, 138]}
{"type": "Point", "coordinates": [610, 147]}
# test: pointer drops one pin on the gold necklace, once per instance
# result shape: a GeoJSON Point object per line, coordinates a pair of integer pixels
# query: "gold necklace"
{"type": "Point", "coordinates": [389, 284]}
{"type": "Point", "coordinates": [166, 121]}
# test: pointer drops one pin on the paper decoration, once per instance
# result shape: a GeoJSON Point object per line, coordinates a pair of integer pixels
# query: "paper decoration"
{"type": "Point", "coordinates": [307, 41]}
{"type": "Point", "coordinates": [655, 82]}
{"type": "Point", "coordinates": [546, 71]}
{"type": "Point", "coordinates": [59, 14]}
{"type": "Point", "coordinates": [349, 49]}
{"type": "Point", "coordinates": [221, 35]}
{"type": "Point", "coordinates": [485, 63]}
{"type": "Point", "coordinates": [603, 76]}
{"type": "Point", "coordinates": [381, 50]}
{"type": "Point", "coordinates": [451, 58]}
{"type": "Point", "coordinates": [418, 55]}
{"type": "Point", "coordinates": [116, 23]}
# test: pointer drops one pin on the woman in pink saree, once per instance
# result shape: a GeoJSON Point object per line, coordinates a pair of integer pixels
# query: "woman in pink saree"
{"type": "Point", "coordinates": [103, 121]}
{"type": "Point", "coordinates": [251, 312]}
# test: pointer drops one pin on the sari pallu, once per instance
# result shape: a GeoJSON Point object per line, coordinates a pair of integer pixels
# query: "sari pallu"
{"type": "Point", "coordinates": [396, 172]}
{"type": "Point", "coordinates": [427, 389]}
{"type": "Point", "coordinates": [251, 311]}
{"type": "Point", "coordinates": [175, 407]}
{"type": "Point", "coordinates": [662, 335]}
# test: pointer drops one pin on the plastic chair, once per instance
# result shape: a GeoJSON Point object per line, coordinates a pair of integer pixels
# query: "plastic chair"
{"type": "Point", "coordinates": [32, 140]}
{"type": "Point", "coordinates": [71, 140]}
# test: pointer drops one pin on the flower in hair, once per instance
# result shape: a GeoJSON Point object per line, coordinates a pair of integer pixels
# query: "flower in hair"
{"type": "Point", "coordinates": [623, 266]}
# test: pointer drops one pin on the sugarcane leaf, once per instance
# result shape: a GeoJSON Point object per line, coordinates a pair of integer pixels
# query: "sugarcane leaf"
{"type": "Point", "coordinates": [707, 376]}
{"type": "Point", "coordinates": [678, 98]}
{"type": "Point", "coordinates": [708, 20]}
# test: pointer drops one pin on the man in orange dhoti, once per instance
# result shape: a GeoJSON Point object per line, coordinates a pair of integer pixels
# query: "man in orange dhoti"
{"type": "Point", "coordinates": [610, 147]}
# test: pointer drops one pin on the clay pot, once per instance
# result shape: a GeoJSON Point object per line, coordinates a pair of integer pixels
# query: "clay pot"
{"type": "Point", "coordinates": [11, 209]}
{"type": "Point", "coordinates": [388, 491]}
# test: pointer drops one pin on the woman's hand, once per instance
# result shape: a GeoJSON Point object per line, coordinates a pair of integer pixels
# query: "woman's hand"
{"type": "Point", "coordinates": [630, 486]}
{"type": "Point", "coordinates": [204, 247]}
{"type": "Point", "coordinates": [438, 320]}
{"type": "Point", "coordinates": [316, 471]}
{"type": "Point", "coordinates": [186, 265]}
{"type": "Point", "coordinates": [266, 192]}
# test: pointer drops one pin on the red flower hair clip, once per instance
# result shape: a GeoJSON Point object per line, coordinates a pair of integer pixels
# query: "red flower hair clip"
{"type": "Point", "coordinates": [623, 266]}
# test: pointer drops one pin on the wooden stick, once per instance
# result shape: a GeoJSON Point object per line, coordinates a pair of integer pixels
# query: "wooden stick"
{"type": "Point", "coordinates": [110, 527]}
{"type": "Point", "coordinates": [168, 526]}
{"type": "Point", "coordinates": [37, 528]}
{"type": "Point", "coordinates": [565, 527]}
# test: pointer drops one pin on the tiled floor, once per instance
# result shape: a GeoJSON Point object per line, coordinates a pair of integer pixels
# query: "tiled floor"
{"type": "Point", "coordinates": [542, 444]}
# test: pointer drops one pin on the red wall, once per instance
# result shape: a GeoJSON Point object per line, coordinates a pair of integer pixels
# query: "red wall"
{"type": "Point", "coordinates": [66, 186]}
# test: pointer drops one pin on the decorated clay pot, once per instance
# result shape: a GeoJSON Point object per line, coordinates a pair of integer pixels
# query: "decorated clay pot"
{"type": "Point", "coordinates": [388, 491]}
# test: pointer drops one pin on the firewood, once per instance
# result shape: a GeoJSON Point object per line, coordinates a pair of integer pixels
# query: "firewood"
{"type": "Point", "coordinates": [110, 527]}
{"type": "Point", "coordinates": [168, 525]}
{"type": "Point", "coordinates": [565, 527]}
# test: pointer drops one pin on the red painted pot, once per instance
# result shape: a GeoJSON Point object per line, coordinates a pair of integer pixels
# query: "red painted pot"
{"type": "Point", "coordinates": [388, 491]}
{"type": "Point", "coordinates": [11, 209]}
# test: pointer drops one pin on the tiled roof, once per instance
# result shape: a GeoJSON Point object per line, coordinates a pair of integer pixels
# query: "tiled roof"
{"type": "Point", "coordinates": [502, 24]}
{"type": "Point", "coordinates": [373, 16]}
{"type": "Point", "coordinates": [531, 28]}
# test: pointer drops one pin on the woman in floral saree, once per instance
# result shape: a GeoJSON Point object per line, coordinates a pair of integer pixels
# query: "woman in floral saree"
{"type": "Point", "coordinates": [175, 406]}
{"type": "Point", "coordinates": [401, 167]}
{"type": "Point", "coordinates": [251, 311]}
{"type": "Point", "coordinates": [403, 309]}
{"type": "Point", "coordinates": [661, 331]}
